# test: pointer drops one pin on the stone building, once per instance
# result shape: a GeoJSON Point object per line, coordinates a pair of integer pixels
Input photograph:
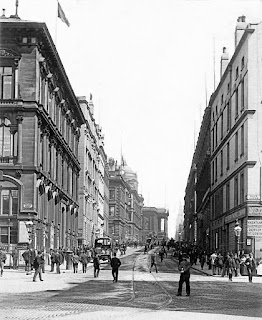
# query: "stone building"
{"type": "Point", "coordinates": [236, 144]}
{"type": "Point", "coordinates": [40, 120]}
{"type": "Point", "coordinates": [197, 200]}
{"type": "Point", "coordinates": [93, 213]}
{"type": "Point", "coordinates": [154, 224]}
{"type": "Point", "coordinates": [125, 204]}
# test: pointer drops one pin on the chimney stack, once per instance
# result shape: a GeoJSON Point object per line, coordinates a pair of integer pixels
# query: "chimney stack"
{"type": "Point", "coordinates": [240, 29]}
{"type": "Point", "coordinates": [224, 61]}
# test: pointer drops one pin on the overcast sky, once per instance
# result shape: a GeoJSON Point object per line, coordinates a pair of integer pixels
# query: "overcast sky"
{"type": "Point", "coordinates": [146, 63]}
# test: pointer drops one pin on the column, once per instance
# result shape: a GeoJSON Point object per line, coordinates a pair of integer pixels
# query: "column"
{"type": "Point", "coordinates": [20, 139]}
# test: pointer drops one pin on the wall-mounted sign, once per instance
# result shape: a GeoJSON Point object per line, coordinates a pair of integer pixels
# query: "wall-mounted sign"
{"type": "Point", "coordinates": [254, 228]}
{"type": "Point", "coordinates": [255, 211]}
{"type": "Point", "coordinates": [236, 215]}
{"type": "Point", "coordinates": [248, 242]}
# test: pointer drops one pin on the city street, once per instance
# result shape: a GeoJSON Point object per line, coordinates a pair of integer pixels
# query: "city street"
{"type": "Point", "coordinates": [138, 294]}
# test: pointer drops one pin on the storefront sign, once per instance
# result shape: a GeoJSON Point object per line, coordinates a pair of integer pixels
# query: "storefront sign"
{"type": "Point", "coordinates": [254, 228]}
{"type": "Point", "coordinates": [236, 215]}
{"type": "Point", "coordinates": [255, 211]}
{"type": "Point", "coordinates": [253, 197]}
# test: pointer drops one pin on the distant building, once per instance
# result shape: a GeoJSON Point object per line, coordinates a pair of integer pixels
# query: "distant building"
{"type": "Point", "coordinates": [125, 204]}
{"type": "Point", "coordinates": [197, 198]}
{"type": "Point", "coordinates": [40, 121]}
{"type": "Point", "coordinates": [93, 190]}
{"type": "Point", "coordinates": [154, 224]}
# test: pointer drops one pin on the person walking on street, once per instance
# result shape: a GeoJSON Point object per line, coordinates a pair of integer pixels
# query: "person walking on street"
{"type": "Point", "coordinates": [2, 261]}
{"type": "Point", "coordinates": [115, 264]}
{"type": "Point", "coordinates": [38, 265]}
{"type": "Point", "coordinates": [153, 261]}
{"type": "Point", "coordinates": [251, 266]}
{"type": "Point", "coordinates": [15, 258]}
{"type": "Point", "coordinates": [184, 268]}
{"type": "Point", "coordinates": [75, 261]}
{"type": "Point", "coordinates": [230, 266]}
{"type": "Point", "coordinates": [96, 263]}
{"type": "Point", "coordinates": [58, 260]}
{"type": "Point", "coordinates": [161, 254]}
{"type": "Point", "coordinates": [213, 262]}
{"type": "Point", "coordinates": [84, 260]}
{"type": "Point", "coordinates": [27, 255]}
{"type": "Point", "coordinates": [202, 260]}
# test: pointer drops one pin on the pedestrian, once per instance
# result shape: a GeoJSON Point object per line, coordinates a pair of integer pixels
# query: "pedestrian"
{"type": "Point", "coordinates": [259, 267]}
{"type": "Point", "coordinates": [84, 260]}
{"type": "Point", "coordinates": [161, 254]}
{"type": "Point", "coordinates": [58, 260]}
{"type": "Point", "coordinates": [38, 265]}
{"type": "Point", "coordinates": [15, 256]}
{"type": "Point", "coordinates": [184, 269]}
{"type": "Point", "coordinates": [2, 261]}
{"type": "Point", "coordinates": [27, 255]}
{"type": "Point", "coordinates": [146, 248]}
{"type": "Point", "coordinates": [96, 264]}
{"type": "Point", "coordinates": [52, 259]}
{"type": "Point", "coordinates": [230, 266]}
{"type": "Point", "coordinates": [237, 265]}
{"type": "Point", "coordinates": [75, 261]}
{"type": "Point", "coordinates": [251, 266]}
{"type": "Point", "coordinates": [219, 263]}
{"type": "Point", "coordinates": [115, 264]}
{"type": "Point", "coordinates": [202, 260]}
{"type": "Point", "coordinates": [213, 262]}
{"type": "Point", "coordinates": [153, 261]}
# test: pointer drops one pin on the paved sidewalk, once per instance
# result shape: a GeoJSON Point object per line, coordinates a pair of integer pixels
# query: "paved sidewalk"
{"type": "Point", "coordinates": [209, 272]}
{"type": "Point", "coordinates": [16, 281]}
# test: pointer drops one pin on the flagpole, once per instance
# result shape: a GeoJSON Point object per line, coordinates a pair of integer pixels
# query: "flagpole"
{"type": "Point", "coordinates": [56, 23]}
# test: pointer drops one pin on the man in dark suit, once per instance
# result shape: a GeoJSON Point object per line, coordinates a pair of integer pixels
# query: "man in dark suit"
{"type": "Point", "coordinates": [184, 268]}
{"type": "Point", "coordinates": [115, 264]}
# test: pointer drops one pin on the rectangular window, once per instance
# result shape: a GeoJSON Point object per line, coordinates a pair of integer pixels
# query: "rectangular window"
{"type": "Point", "coordinates": [236, 191]}
{"type": "Point", "coordinates": [4, 235]}
{"type": "Point", "coordinates": [13, 235]}
{"type": "Point", "coordinates": [213, 140]}
{"type": "Point", "coordinates": [228, 116]}
{"type": "Point", "coordinates": [242, 191]}
{"type": "Point", "coordinates": [228, 156]}
{"type": "Point", "coordinates": [216, 169]}
{"type": "Point", "coordinates": [111, 194]}
{"type": "Point", "coordinates": [236, 146]}
{"type": "Point", "coordinates": [242, 95]}
{"type": "Point", "coordinates": [227, 196]}
{"type": "Point", "coordinates": [14, 197]}
{"type": "Point", "coordinates": [242, 141]}
{"type": "Point", "coordinates": [222, 124]}
{"type": "Point", "coordinates": [111, 211]}
{"type": "Point", "coordinates": [236, 103]}
{"type": "Point", "coordinates": [221, 162]}
{"type": "Point", "coordinates": [215, 135]}
{"type": "Point", "coordinates": [6, 83]}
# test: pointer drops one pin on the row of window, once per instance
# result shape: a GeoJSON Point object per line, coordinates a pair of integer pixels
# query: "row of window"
{"type": "Point", "coordinates": [216, 162]}
{"type": "Point", "coordinates": [221, 200]}
{"type": "Point", "coordinates": [225, 116]}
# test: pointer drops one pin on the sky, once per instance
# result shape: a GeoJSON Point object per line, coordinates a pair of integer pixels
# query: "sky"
{"type": "Point", "coordinates": [151, 66]}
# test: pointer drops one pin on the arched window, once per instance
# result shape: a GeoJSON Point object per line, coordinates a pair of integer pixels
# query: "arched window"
{"type": "Point", "coordinates": [8, 140]}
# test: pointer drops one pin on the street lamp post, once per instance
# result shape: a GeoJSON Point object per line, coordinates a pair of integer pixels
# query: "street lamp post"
{"type": "Point", "coordinates": [29, 228]}
{"type": "Point", "coordinates": [237, 230]}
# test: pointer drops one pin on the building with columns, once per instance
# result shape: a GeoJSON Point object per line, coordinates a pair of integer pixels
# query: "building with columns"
{"type": "Point", "coordinates": [93, 190]}
{"type": "Point", "coordinates": [154, 223]}
{"type": "Point", "coordinates": [40, 120]}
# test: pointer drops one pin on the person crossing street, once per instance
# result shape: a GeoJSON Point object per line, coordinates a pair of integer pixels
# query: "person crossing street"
{"type": "Point", "coordinates": [115, 264]}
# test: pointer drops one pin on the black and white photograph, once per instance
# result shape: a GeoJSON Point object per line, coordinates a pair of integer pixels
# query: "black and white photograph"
{"type": "Point", "coordinates": [130, 159]}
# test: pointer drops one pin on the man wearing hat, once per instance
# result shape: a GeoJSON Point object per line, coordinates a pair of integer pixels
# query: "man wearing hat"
{"type": "Point", "coordinates": [184, 268]}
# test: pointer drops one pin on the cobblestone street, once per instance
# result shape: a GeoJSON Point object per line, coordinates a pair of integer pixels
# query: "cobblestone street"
{"type": "Point", "coordinates": [74, 296]}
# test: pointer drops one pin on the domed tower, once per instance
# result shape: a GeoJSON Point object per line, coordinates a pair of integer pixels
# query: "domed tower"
{"type": "Point", "coordinates": [129, 176]}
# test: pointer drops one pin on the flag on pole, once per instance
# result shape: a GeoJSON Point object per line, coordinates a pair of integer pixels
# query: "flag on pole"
{"type": "Point", "coordinates": [62, 15]}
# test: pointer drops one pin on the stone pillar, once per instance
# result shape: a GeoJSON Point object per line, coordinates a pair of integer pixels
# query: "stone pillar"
{"type": "Point", "coordinates": [20, 139]}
